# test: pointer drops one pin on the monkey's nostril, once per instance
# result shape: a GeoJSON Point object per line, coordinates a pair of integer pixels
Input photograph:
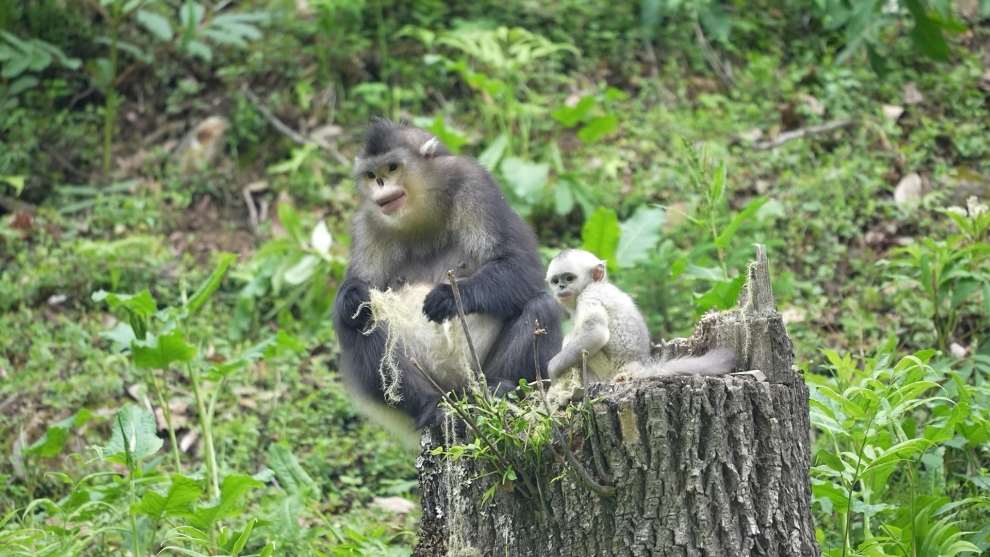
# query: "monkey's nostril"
{"type": "Point", "coordinates": [381, 182]}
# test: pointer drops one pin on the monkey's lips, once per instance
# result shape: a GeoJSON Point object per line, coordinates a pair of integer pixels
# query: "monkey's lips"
{"type": "Point", "coordinates": [565, 296]}
{"type": "Point", "coordinates": [392, 202]}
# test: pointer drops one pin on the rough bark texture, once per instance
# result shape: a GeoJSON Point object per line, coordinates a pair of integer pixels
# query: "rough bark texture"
{"type": "Point", "coordinates": [702, 466]}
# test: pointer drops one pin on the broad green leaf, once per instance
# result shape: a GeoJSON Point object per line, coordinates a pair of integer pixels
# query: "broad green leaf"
{"type": "Point", "coordinates": [16, 182]}
{"type": "Point", "coordinates": [243, 538]}
{"type": "Point", "coordinates": [837, 495]}
{"type": "Point", "coordinates": [563, 198]}
{"type": "Point", "coordinates": [706, 273]}
{"type": "Point", "coordinates": [191, 13]}
{"type": "Point", "coordinates": [570, 115]}
{"type": "Point", "coordinates": [899, 452]}
{"type": "Point", "coordinates": [52, 442]}
{"type": "Point", "coordinates": [600, 234]}
{"type": "Point", "coordinates": [723, 295]}
{"type": "Point", "coordinates": [527, 179]}
{"type": "Point", "coordinates": [211, 284]}
{"type": "Point", "coordinates": [291, 476]}
{"type": "Point", "coordinates": [715, 20]}
{"type": "Point", "coordinates": [232, 490]}
{"type": "Point", "coordinates": [963, 289]}
{"type": "Point", "coordinates": [321, 239]}
{"type": "Point", "coordinates": [197, 48]}
{"type": "Point", "coordinates": [133, 438]}
{"type": "Point", "coordinates": [158, 352]}
{"type": "Point", "coordinates": [142, 303]}
{"type": "Point", "coordinates": [302, 271]}
{"type": "Point", "coordinates": [639, 236]}
{"type": "Point", "coordinates": [830, 460]}
{"type": "Point", "coordinates": [650, 16]}
{"type": "Point", "coordinates": [598, 128]}
{"type": "Point", "coordinates": [289, 218]}
{"type": "Point", "coordinates": [156, 24]}
{"type": "Point", "coordinates": [175, 502]}
{"type": "Point", "coordinates": [927, 33]}
{"type": "Point", "coordinates": [493, 153]}
{"type": "Point", "coordinates": [724, 239]}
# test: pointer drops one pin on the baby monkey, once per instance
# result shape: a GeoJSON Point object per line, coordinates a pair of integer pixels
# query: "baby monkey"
{"type": "Point", "coordinates": [606, 322]}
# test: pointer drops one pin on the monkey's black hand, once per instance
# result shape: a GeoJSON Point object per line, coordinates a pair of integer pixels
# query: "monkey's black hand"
{"type": "Point", "coordinates": [439, 304]}
{"type": "Point", "coordinates": [351, 295]}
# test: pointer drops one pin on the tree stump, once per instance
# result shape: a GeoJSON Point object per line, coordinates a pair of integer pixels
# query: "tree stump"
{"type": "Point", "coordinates": [714, 466]}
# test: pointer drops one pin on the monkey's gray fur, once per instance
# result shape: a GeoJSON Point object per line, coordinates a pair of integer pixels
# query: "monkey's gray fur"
{"type": "Point", "coordinates": [606, 322]}
{"type": "Point", "coordinates": [424, 211]}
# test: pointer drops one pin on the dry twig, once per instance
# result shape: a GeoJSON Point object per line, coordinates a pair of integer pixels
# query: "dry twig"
{"type": "Point", "coordinates": [292, 134]}
{"type": "Point", "coordinates": [803, 132]}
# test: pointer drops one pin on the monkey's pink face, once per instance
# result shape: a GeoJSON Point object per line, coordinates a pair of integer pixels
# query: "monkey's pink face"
{"type": "Point", "coordinates": [386, 188]}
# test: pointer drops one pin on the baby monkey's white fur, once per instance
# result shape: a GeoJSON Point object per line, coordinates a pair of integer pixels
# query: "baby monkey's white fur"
{"type": "Point", "coordinates": [606, 322]}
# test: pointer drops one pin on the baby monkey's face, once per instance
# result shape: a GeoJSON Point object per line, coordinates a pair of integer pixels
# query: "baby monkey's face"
{"type": "Point", "coordinates": [566, 288]}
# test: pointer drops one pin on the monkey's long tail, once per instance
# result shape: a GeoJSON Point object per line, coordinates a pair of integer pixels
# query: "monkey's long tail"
{"type": "Point", "coordinates": [716, 362]}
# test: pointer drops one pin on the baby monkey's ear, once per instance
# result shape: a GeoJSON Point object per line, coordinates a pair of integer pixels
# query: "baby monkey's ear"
{"type": "Point", "coordinates": [429, 148]}
{"type": "Point", "coordinates": [598, 272]}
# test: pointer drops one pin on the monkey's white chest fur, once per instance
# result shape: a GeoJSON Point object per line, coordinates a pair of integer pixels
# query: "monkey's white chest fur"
{"type": "Point", "coordinates": [441, 349]}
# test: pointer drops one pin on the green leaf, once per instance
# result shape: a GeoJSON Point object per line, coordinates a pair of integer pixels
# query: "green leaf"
{"type": "Point", "coordinates": [526, 178]}
{"type": "Point", "coordinates": [133, 438]}
{"type": "Point", "coordinates": [289, 218]}
{"type": "Point", "coordinates": [598, 128]}
{"type": "Point", "coordinates": [155, 24]}
{"type": "Point", "coordinates": [177, 501]}
{"type": "Point", "coordinates": [899, 452]}
{"type": "Point", "coordinates": [570, 115]}
{"type": "Point", "coordinates": [17, 87]}
{"type": "Point", "coordinates": [830, 460]}
{"type": "Point", "coordinates": [963, 289]}
{"type": "Point", "coordinates": [722, 295]}
{"type": "Point", "coordinates": [563, 198]}
{"type": "Point", "coordinates": [233, 489]}
{"type": "Point", "coordinates": [52, 442]}
{"type": "Point", "coordinates": [639, 236]}
{"type": "Point", "coordinates": [724, 239]}
{"type": "Point", "coordinates": [191, 13]}
{"type": "Point", "coordinates": [600, 234]}
{"type": "Point", "coordinates": [302, 271]}
{"type": "Point", "coordinates": [243, 538]}
{"type": "Point", "coordinates": [877, 62]}
{"type": "Point", "coordinates": [211, 284]}
{"type": "Point", "coordinates": [493, 153]}
{"type": "Point", "coordinates": [927, 33]}
{"type": "Point", "coordinates": [158, 352]}
{"type": "Point", "coordinates": [291, 476]}
{"type": "Point", "coordinates": [650, 16]}
{"type": "Point", "coordinates": [715, 20]}
{"type": "Point", "coordinates": [141, 304]}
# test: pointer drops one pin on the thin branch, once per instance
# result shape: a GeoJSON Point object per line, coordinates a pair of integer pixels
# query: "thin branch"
{"type": "Point", "coordinates": [583, 475]}
{"type": "Point", "coordinates": [482, 383]}
{"type": "Point", "coordinates": [803, 132]}
{"type": "Point", "coordinates": [464, 415]}
{"type": "Point", "coordinates": [292, 134]}
{"type": "Point", "coordinates": [713, 59]}
{"type": "Point", "coordinates": [60, 159]}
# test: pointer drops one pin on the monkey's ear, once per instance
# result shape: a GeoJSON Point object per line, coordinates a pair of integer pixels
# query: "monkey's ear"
{"type": "Point", "coordinates": [429, 148]}
{"type": "Point", "coordinates": [598, 272]}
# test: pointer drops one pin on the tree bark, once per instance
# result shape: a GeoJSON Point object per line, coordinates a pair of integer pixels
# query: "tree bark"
{"type": "Point", "coordinates": [701, 466]}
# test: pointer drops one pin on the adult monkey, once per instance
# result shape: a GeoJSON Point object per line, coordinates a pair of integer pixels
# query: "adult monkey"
{"type": "Point", "coordinates": [424, 211]}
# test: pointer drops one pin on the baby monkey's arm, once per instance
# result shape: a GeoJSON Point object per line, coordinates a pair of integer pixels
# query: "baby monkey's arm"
{"type": "Point", "coordinates": [590, 334]}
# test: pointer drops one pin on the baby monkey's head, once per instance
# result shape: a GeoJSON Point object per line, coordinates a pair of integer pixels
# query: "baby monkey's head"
{"type": "Point", "coordinates": [571, 272]}
{"type": "Point", "coordinates": [395, 169]}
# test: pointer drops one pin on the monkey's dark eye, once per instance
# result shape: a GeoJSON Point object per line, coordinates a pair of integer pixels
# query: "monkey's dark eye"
{"type": "Point", "coordinates": [569, 278]}
{"type": "Point", "coordinates": [554, 281]}
{"type": "Point", "coordinates": [371, 175]}
{"type": "Point", "coordinates": [392, 167]}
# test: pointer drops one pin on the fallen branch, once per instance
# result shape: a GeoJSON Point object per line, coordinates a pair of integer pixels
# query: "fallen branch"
{"type": "Point", "coordinates": [803, 132]}
{"type": "Point", "coordinates": [292, 134]}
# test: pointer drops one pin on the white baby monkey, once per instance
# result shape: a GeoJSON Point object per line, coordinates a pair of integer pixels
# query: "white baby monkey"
{"type": "Point", "coordinates": [606, 322]}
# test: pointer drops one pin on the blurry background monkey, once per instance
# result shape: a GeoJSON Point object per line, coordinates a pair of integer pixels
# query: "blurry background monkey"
{"type": "Point", "coordinates": [606, 322]}
{"type": "Point", "coordinates": [424, 211]}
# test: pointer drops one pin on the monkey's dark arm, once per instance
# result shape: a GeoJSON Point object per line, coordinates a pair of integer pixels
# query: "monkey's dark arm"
{"type": "Point", "coordinates": [351, 294]}
{"type": "Point", "coordinates": [591, 335]}
{"type": "Point", "coordinates": [500, 287]}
